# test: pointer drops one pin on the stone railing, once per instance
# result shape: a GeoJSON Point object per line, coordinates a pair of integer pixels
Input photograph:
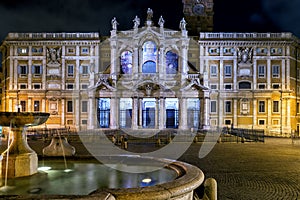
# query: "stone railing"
{"type": "Point", "coordinates": [93, 35]}
{"type": "Point", "coordinates": [221, 35]}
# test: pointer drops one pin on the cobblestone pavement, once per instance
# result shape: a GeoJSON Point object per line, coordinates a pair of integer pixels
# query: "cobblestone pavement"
{"type": "Point", "coordinates": [243, 171]}
{"type": "Point", "coordinates": [251, 170]}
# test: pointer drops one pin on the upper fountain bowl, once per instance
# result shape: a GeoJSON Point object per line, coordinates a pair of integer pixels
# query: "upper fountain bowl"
{"type": "Point", "coordinates": [20, 119]}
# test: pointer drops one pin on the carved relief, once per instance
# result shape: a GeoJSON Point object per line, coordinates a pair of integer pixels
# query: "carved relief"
{"type": "Point", "coordinates": [53, 55]}
{"type": "Point", "coordinates": [244, 55]}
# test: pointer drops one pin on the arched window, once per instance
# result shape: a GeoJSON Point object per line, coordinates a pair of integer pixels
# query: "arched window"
{"type": "Point", "coordinates": [244, 85]}
{"type": "Point", "coordinates": [171, 62]}
{"type": "Point", "coordinates": [126, 62]}
{"type": "Point", "coordinates": [149, 57]}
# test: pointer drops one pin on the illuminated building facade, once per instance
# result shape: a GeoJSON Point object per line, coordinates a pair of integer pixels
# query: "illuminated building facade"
{"type": "Point", "coordinates": [151, 77]}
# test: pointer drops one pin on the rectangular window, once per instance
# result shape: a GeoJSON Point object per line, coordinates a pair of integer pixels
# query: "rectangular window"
{"type": "Point", "coordinates": [84, 86]}
{"type": "Point", "coordinates": [85, 50]}
{"type": "Point", "coordinates": [227, 122]}
{"type": "Point", "coordinates": [36, 105]}
{"type": "Point", "coordinates": [275, 122]}
{"type": "Point", "coordinates": [298, 73]}
{"type": "Point", "coordinates": [213, 86]}
{"type": "Point", "coordinates": [22, 50]}
{"type": "Point", "coordinates": [298, 108]}
{"type": "Point", "coordinates": [261, 122]}
{"type": "Point", "coordinates": [227, 70]}
{"type": "Point", "coordinates": [37, 86]}
{"type": "Point", "coordinates": [213, 106]}
{"type": "Point", "coordinates": [69, 106]}
{"type": "Point", "coordinates": [22, 69]}
{"type": "Point", "coordinates": [71, 70]}
{"type": "Point", "coordinates": [228, 106]}
{"type": "Point", "coordinates": [23, 106]}
{"type": "Point", "coordinates": [213, 71]}
{"type": "Point", "coordinates": [276, 106]}
{"type": "Point", "coordinates": [36, 69]}
{"type": "Point", "coordinates": [84, 69]}
{"type": "Point", "coordinates": [276, 86]}
{"type": "Point", "coordinates": [84, 106]}
{"type": "Point", "coordinates": [228, 86]}
{"type": "Point", "coordinates": [275, 71]}
{"type": "Point", "coordinates": [70, 86]}
{"type": "Point", "coordinates": [261, 71]}
{"type": "Point", "coordinates": [71, 50]}
{"type": "Point", "coordinates": [84, 122]}
{"type": "Point", "coordinates": [261, 106]}
{"type": "Point", "coordinates": [23, 86]}
{"type": "Point", "coordinates": [261, 86]}
{"type": "Point", "coordinates": [37, 50]}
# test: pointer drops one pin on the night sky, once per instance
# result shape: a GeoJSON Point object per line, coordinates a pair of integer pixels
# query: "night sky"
{"type": "Point", "coordinates": [95, 15]}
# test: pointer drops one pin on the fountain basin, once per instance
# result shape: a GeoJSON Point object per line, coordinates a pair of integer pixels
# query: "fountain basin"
{"type": "Point", "coordinates": [20, 160]}
{"type": "Point", "coordinates": [21, 119]}
{"type": "Point", "coordinates": [85, 180]}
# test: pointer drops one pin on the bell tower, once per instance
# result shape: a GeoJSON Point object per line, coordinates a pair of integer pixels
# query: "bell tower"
{"type": "Point", "coordinates": [198, 15]}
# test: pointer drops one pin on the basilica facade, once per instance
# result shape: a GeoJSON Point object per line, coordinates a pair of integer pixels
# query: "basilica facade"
{"type": "Point", "coordinates": [151, 77]}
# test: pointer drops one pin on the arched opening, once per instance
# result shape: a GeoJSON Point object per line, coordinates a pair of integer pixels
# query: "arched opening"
{"type": "Point", "coordinates": [149, 57]}
{"type": "Point", "coordinates": [171, 63]}
{"type": "Point", "coordinates": [126, 62]}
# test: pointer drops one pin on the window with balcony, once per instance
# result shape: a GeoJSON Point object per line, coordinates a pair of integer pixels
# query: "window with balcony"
{"type": "Point", "coordinates": [70, 70]}
{"type": "Point", "coordinates": [37, 70]}
{"type": "Point", "coordinates": [261, 106]}
{"type": "Point", "coordinates": [213, 106]}
{"type": "Point", "coordinates": [227, 71]}
{"type": "Point", "coordinates": [213, 71]}
{"type": "Point", "coordinates": [69, 106]}
{"type": "Point", "coordinates": [261, 71]}
{"type": "Point", "coordinates": [275, 106]}
{"type": "Point", "coordinates": [275, 71]}
{"type": "Point", "coordinates": [227, 106]}
{"type": "Point", "coordinates": [22, 70]}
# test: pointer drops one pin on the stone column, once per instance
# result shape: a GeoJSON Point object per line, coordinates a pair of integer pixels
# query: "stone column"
{"type": "Point", "coordinates": [254, 112]}
{"type": "Point", "coordinates": [140, 112]}
{"type": "Point", "coordinates": [221, 112]}
{"type": "Point", "coordinates": [43, 105]}
{"type": "Point", "coordinates": [44, 86]}
{"type": "Point", "coordinates": [114, 113]}
{"type": "Point", "coordinates": [10, 105]}
{"type": "Point", "coordinates": [162, 112]}
{"type": "Point", "coordinates": [29, 80]}
{"type": "Point", "coordinates": [135, 106]}
{"type": "Point", "coordinates": [11, 69]}
{"type": "Point", "coordinates": [269, 112]}
{"type": "Point", "coordinates": [235, 71]}
{"type": "Point", "coordinates": [135, 67]}
{"type": "Point", "coordinates": [221, 70]}
{"type": "Point", "coordinates": [206, 123]}
{"type": "Point", "coordinates": [63, 112]}
{"type": "Point", "coordinates": [235, 112]}
{"type": "Point", "coordinates": [92, 110]}
{"type": "Point", "coordinates": [269, 74]}
{"type": "Point", "coordinates": [283, 75]}
{"type": "Point", "coordinates": [63, 69]}
{"type": "Point", "coordinates": [29, 104]}
{"type": "Point", "coordinates": [156, 113]}
{"type": "Point", "coordinates": [77, 75]}
{"type": "Point", "coordinates": [77, 113]}
{"type": "Point", "coordinates": [183, 114]}
{"type": "Point", "coordinates": [288, 113]}
{"type": "Point", "coordinates": [15, 82]}
{"type": "Point", "coordinates": [254, 74]}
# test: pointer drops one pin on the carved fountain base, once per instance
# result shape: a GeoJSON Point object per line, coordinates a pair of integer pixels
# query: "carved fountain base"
{"type": "Point", "coordinates": [20, 165]}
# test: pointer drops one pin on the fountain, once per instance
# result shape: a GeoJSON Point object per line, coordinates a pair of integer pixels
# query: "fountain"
{"type": "Point", "coordinates": [22, 160]}
{"type": "Point", "coordinates": [175, 180]}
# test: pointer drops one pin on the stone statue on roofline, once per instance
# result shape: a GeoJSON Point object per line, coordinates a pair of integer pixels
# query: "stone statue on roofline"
{"type": "Point", "coordinates": [114, 23]}
{"type": "Point", "coordinates": [136, 22]}
{"type": "Point", "coordinates": [149, 14]}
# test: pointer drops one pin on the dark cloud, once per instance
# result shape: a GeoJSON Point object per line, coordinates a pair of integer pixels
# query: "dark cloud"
{"type": "Point", "coordinates": [95, 15]}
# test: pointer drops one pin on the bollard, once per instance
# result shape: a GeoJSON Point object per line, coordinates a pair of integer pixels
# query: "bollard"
{"type": "Point", "coordinates": [210, 189]}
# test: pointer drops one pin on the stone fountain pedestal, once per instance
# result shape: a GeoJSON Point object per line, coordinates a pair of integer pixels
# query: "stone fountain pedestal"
{"type": "Point", "coordinates": [22, 160]}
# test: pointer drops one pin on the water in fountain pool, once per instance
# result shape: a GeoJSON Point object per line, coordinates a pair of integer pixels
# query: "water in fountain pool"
{"type": "Point", "coordinates": [82, 178]}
